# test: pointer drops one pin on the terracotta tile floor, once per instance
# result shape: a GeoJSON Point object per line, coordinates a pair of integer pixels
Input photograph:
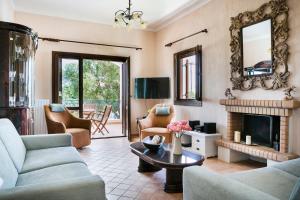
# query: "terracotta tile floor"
{"type": "Point", "coordinates": [113, 161]}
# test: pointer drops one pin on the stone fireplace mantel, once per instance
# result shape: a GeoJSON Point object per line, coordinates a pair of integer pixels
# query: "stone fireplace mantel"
{"type": "Point", "coordinates": [237, 107]}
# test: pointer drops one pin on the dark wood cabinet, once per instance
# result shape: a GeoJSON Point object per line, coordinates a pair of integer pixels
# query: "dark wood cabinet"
{"type": "Point", "coordinates": [17, 50]}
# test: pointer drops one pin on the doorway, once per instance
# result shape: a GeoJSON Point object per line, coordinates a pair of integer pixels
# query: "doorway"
{"type": "Point", "coordinates": [94, 87]}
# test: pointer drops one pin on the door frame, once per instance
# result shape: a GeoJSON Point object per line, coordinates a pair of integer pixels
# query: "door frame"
{"type": "Point", "coordinates": [56, 57]}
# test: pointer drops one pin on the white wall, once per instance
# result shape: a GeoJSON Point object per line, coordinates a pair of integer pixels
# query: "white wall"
{"type": "Point", "coordinates": [215, 16]}
{"type": "Point", "coordinates": [142, 62]}
{"type": "Point", "coordinates": [7, 12]}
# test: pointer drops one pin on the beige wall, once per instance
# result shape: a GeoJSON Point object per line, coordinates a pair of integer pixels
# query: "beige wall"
{"type": "Point", "coordinates": [215, 16]}
{"type": "Point", "coordinates": [7, 12]}
{"type": "Point", "coordinates": [142, 62]}
{"type": "Point", "coordinates": [157, 60]}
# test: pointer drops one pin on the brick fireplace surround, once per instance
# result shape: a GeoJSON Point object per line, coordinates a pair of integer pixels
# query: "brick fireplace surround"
{"type": "Point", "coordinates": [237, 107]}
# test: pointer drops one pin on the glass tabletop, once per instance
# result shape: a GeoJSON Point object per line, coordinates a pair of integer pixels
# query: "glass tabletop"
{"type": "Point", "coordinates": [165, 156]}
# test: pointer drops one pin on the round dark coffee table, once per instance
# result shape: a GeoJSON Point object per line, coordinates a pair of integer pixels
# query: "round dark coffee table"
{"type": "Point", "coordinates": [163, 158]}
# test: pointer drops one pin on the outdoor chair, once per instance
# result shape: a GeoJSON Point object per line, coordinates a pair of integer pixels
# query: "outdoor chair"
{"type": "Point", "coordinates": [100, 119]}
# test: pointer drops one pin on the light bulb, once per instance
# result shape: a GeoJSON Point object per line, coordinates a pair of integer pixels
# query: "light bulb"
{"type": "Point", "coordinates": [143, 25]}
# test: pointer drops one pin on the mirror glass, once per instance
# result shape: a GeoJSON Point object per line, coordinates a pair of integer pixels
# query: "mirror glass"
{"type": "Point", "coordinates": [187, 73]}
{"type": "Point", "coordinates": [257, 49]}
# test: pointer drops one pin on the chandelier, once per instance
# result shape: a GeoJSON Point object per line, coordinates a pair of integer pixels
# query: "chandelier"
{"type": "Point", "coordinates": [129, 18]}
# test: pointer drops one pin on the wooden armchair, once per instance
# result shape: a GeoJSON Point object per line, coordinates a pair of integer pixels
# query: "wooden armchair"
{"type": "Point", "coordinates": [65, 122]}
{"type": "Point", "coordinates": [156, 124]}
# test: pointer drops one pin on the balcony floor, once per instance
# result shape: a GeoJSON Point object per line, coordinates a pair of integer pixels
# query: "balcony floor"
{"type": "Point", "coordinates": [115, 130]}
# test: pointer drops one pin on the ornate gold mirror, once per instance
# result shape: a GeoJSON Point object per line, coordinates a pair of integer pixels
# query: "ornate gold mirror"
{"type": "Point", "coordinates": [259, 49]}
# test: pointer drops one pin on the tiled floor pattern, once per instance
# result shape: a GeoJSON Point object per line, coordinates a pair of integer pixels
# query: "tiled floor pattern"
{"type": "Point", "coordinates": [113, 161]}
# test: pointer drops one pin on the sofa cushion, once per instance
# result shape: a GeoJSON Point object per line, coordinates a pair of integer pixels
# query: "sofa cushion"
{"type": "Point", "coordinates": [291, 166]}
{"type": "Point", "coordinates": [268, 180]}
{"type": "Point", "coordinates": [38, 159]}
{"type": "Point", "coordinates": [54, 174]}
{"type": "Point", "coordinates": [13, 143]}
{"type": "Point", "coordinates": [296, 191]}
{"type": "Point", "coordinates": [8, 171]}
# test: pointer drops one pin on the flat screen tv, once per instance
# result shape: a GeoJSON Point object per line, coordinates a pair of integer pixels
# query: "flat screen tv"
{"type": "Point", "coordinates": [152, 88]}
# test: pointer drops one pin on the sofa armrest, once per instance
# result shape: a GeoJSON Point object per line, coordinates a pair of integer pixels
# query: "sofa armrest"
{"type": "Point", "coordinates": [201, 184]}
{"type": "Point", "coordinates": [90, 187]}
{"type": "Point", "coordinates": [33, 142]}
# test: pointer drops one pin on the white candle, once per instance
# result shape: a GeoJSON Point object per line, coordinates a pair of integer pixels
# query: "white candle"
{"type": "Point", "coordinates": [237, 136]}
{"type": "Point", "coordinates": [248, 139]}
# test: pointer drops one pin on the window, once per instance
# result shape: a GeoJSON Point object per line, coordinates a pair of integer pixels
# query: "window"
{"type": "Point", "coordinates": [187, 76]}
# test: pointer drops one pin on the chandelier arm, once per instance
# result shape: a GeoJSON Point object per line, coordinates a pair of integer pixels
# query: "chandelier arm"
{"type": "Point", "coordinates": [138, 12]}
{"type": "Point", "coordinates": [123, 19]}
{"type": "Point", "coordinates": [119, 11]}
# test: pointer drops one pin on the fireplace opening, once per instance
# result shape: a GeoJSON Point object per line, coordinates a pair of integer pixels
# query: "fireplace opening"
{"type": "Point", "coordinates": [264, 130]}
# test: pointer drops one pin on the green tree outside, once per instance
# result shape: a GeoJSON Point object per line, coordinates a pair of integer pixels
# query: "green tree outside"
{"type": "Point", "coordinates": [101, 84]}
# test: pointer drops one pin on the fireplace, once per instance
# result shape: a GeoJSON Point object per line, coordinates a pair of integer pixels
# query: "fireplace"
{"type": "Point", "coordinates": [267, 121]}
{"type": "Point", "coordinates": [264, 129]}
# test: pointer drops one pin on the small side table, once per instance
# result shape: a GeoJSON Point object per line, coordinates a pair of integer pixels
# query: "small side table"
{"type": "Point", "coordinates": [203, 143]}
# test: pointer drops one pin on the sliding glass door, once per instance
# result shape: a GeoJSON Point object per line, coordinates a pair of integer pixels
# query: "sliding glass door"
{"type": "Point", "coordinates": [69, 88]}
{"type": "Point", "coordinates": [87, 83]}
{"type": "Point", "coordinates": [102, 82]}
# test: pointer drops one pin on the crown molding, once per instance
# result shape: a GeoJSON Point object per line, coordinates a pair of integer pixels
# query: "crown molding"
{"type": "Point", "coordinates": [176, 15]}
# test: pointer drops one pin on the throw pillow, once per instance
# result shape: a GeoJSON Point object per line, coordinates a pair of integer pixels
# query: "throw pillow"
{"type": "Point", "coordinates": [54, 107]}
{"type": "Point", "coordinates": [162, 110]}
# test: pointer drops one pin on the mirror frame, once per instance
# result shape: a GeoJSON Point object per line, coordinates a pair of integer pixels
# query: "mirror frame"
{"type": "Point", "coordinates": [277, 11]}
{"type": "Point", "coordinates": [197, 51]}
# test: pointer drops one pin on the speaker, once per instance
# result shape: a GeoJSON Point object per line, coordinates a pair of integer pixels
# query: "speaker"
{"type": "Point", "coordinates": [194, 123]}
{"type": "Point", "coordinates": [198, 128]}
{"type": "Point", "coordinates": [209, 128]}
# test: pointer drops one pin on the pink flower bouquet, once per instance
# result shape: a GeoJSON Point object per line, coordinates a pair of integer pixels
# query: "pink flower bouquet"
{"type": "Point", "coordinates": [178, 127]}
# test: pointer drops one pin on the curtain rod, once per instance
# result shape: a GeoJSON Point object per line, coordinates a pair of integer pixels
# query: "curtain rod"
{"type": "Point", "coordinates": [171, 43]}
{"type": "Point", "coordinates": [90, 43]}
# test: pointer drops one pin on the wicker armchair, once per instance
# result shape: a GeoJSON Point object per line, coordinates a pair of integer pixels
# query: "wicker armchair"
{"type": "Point", "coordinates": [156, 125]}
{"type": "Point", "coordinates": [65, 122]}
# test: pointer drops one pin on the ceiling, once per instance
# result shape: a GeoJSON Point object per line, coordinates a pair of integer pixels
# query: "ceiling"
{"type": "Point", "coordinates": [157, 13]}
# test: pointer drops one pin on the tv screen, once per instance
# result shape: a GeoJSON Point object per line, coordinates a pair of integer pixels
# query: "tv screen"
{"type": "Point", "coordinates": [152, 88]}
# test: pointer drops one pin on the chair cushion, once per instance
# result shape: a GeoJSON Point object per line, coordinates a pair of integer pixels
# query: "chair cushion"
{"type": "Point", "coordinates": [291, 166]}
{"type": "Point", "coordinates": [12, 142]}
{"type": "Point", "coordinates": [77, 130]}
{"type": "Point", "coordinates": [268, 180]}
{"type": "Point", "coordinates": [54, 174]}
{"type": "Point", "coordinates": [80, 137]}
{"type": "Point", "coordinates": [296, 191]}
{"type": "Point", "coordinates": [54, 107]}
{"type": "Point", "coordinates": [162, 110]}
{"type": "Point", "coordinates": [38, 159]}
{"type": "Point", "coordinates": [8, 171]}
{"type": "Point", "coordinates": [155, 130]}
